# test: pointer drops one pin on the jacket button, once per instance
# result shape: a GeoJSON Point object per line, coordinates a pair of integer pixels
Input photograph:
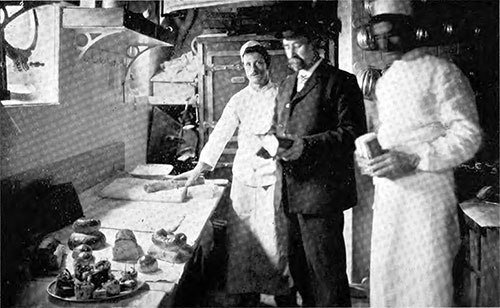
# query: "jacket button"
{"type": "Point", "coordinates": [280, 125]}
{"type": "Point", "coordinates": [287, 105]}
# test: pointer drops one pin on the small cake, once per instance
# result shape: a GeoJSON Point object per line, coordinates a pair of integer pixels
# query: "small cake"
{"type": "Point", "coordinates": [99, 293]}
{"type": "Point", "coordinates": [147, 264]}
{"type": "Point", "coordinates": [103, 265]}
{"type": "Point", "coordinates": [112, 287]}
{"type": "Point", "coordinates": [84, 259]}
{"type": "Point", "coordinates": [99, 277]}
{"type": "Point", "coordinates": [65, 286]}
{"type": "Point", "coordinates": [82, 272]}
{"type": "Point", "coordinates": [131, 274]}
{"type": "Point", "coordinates": [128, 280]}
{"type": "Point", "coordinates": [83, 290]}
{"type": "Point", "coordinates": [126, 247]}
{"type": "Point", "coordinates": [128, 284]}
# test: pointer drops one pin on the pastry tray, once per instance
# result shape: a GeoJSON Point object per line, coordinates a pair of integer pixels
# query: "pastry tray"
{"type": "Point", "coordinates": [52, 293]}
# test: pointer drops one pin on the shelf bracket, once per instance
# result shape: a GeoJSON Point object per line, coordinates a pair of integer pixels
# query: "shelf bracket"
{"type": "Point", "coordinates": [85, 40]}
{"type": "Point", "coordinates": [133, 52]}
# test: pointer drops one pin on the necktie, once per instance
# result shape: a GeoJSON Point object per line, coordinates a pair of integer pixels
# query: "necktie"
{"type": "Point", "coordinates": [301, 80]}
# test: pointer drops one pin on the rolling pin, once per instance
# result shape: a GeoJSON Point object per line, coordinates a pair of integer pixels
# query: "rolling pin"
{"type": "Point", "coordinates": [170, 184]}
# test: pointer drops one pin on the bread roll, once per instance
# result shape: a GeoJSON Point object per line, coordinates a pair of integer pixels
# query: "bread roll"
{"type": "Point", "coordinates": [80, 248]}
{"type": "Point", "coordinates": [86, 226]}
{"type": "Point", "coordinates": [96, 240]}
{"type": "Point", "coordinates": [147, 264]}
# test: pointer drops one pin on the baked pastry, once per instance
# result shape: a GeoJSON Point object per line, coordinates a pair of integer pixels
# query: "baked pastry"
{"type": "Point", "coordinates": [126, 247]}
{"type": "Point", "coordinates": [82, 272]}
{"type": "Point", "coordinates": [131, 274]}
{"type": "Point", "coordinates": [96, 240]}
{"type": "Point", "coordinates": [171, 254]}
{"type": "Point", "coordinates": [99, 293]}
{"type": "Point", "coordinates": [86, 226]}
{"type": "Point", "coordinates": [65, 286]}
{"type": "Point", "coordinates": [128, 280]}
{"type": "Point", "coordinates": [83, 290]}
{"type": "Point", "coordinates": [100, 274]}
{"type": "Point", "coordinates": [165, 239]}
{"type": "Point", "coordinates": [147, 264]}
{"type": "Point", "coordinates": [112, 287]}
{"type": "Point", "coordinates": [84, 258]}
{"type": "Point", "coordinates": [80, 248]}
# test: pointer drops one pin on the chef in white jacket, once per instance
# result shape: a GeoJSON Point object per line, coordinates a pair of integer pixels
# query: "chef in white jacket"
{"type": "Point", "coordinates": [428, 126]}
{"type": "Point", "coordinates": [257, 261]}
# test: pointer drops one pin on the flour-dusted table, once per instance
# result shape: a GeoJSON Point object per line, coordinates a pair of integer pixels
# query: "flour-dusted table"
{"type": "Point", "coordinates": [143, 218]}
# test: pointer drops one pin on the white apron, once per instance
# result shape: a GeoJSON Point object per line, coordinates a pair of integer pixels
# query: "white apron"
{"type": "Point", "coordinates": [256, 232]}
{"type": "Point", "coordinates": [425, 107]}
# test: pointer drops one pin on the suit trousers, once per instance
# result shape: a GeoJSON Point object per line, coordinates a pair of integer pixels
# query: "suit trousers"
{"type": "Point", "coordinates": [318, 259]}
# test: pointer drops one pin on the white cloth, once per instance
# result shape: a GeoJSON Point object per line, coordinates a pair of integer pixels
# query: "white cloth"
{"type": "Point", "coordinates": [304, 75]}
{"type": "Point", "coordinates": [257, 253]}
{"type": "Point", "coordinates": [252, 113]}
{"type": "Point", "coordinates": [256, 225]}
{"type": "Point", "coordinates": [425, 106]}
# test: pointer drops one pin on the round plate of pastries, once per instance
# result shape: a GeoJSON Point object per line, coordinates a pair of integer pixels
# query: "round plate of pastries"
{"type": "Point", "coordinates": [94, 283]}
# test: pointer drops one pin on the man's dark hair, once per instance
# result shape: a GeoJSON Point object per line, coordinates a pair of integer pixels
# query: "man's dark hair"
{"type": "Point", "coordinates": [262, 51]}
{"type": "Point", "coordinates": [298, 29]}
{"type": "Point", "coordinates": [403, 25]}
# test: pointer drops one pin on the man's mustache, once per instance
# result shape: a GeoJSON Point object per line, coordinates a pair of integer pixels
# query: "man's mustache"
{"type": "Point", "coordinates": [296, 61]}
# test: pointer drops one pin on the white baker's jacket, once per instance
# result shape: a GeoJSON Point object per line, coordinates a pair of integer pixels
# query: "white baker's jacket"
{"type": "Point", "coordinates": [251, 111]}
{"type": "Point", "coordinates": [426, 106]}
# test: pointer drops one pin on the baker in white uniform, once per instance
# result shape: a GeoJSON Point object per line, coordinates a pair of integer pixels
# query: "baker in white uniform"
{"type": "Point", "coordinates": [428, 125]}
{"type": "Point", "coordinates": [256, 229]}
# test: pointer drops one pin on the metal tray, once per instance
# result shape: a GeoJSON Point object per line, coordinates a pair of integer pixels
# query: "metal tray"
{"type": "Point", "coordinates": [152, 171]}
{"type": "Point", "coordinates": [52, 293]}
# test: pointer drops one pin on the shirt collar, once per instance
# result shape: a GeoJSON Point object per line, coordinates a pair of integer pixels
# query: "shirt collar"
{"type": "Point", "coordinates": [307, 73]}
{"type": "Point", "coordinates": [268, 86]}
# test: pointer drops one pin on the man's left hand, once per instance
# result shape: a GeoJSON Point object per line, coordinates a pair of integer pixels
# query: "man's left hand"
{"type": "Point", "coordinates": [392, 164]}
{"type": "Point", "coordinates": [294, 152]}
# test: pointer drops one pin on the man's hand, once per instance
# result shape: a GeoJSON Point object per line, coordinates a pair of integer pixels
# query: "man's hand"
{"type": "Point", "coordinates": [294, 152]}
{"type": "Point", "coordinates": [192, 175]}
{"type": "Point", "coordinates": [392, 164]}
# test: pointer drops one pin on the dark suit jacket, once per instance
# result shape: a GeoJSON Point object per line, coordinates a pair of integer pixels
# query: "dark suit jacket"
{"type": "Point", "coordinates": [329, 114]}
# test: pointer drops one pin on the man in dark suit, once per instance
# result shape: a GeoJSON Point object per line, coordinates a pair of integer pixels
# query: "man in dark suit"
{"type": "Point", "coordinates": [319, 107]}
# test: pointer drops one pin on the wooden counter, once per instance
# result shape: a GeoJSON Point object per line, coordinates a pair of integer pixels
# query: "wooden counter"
{"type": "Point", "coordinates": [143, 218]}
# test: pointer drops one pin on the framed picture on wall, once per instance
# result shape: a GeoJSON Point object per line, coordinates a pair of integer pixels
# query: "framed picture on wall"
{"type": "Point", "coordinates": [31, 51]}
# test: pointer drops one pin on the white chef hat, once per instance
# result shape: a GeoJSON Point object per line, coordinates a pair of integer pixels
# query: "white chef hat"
{"type": "Point", "coordinates": [247, 45]}
{"type": "Point", "coordinates": [400, 7]}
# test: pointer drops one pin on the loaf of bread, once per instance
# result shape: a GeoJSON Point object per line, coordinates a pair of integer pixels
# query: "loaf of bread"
{"type": "Point", "coordinates": [126, 247]}
{"type": "Point", "coordinates": [96, 240]}
{"type": "Point", "coordinates": [87, 226]}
